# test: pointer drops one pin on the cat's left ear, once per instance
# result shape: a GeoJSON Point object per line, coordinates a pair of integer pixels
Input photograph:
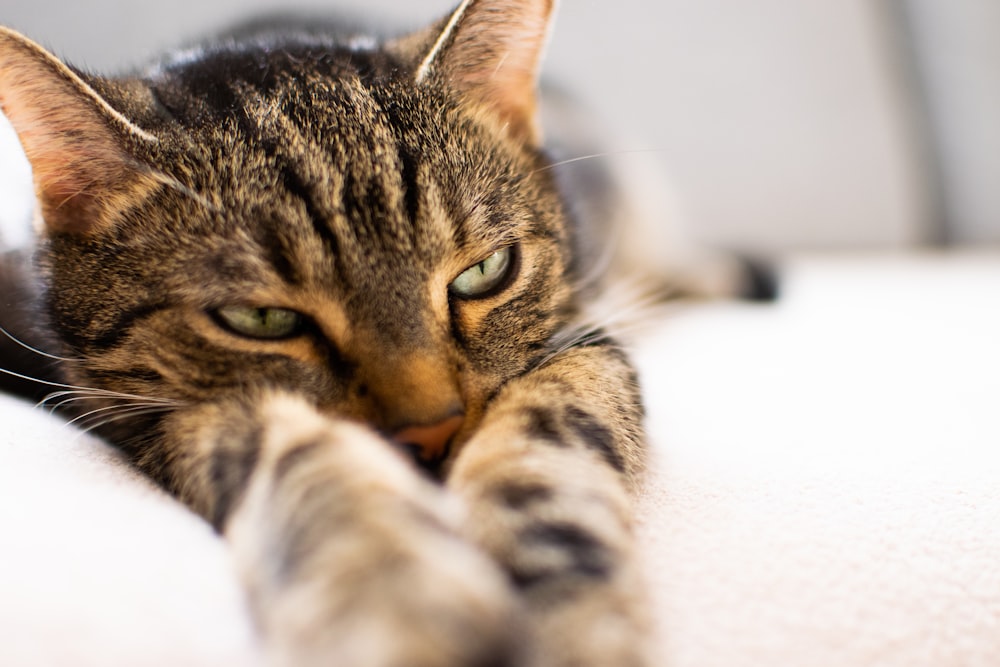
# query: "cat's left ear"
{"type": "Point", "coordinates": [78, 145]}
{"type": "Point", "coordinates": [491, 50]}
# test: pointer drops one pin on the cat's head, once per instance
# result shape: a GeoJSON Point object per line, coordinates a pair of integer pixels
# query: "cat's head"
{"type": "Point", "coordinates": [370, 226]}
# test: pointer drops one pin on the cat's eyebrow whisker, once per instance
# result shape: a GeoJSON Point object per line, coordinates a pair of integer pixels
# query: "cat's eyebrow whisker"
{"type": "Point", "coordinates": [588, 336]}
{"type": "Point", "coordinates": [176, 185]}
{"type": "Point", "coordinates": [594, 156]}
{"type": "Point", "coordinates": [599, 265]}
{"type": "Point", "coordinates": [30, 348]}
{"type": "Point", "coordinates": [629, 304]}
{"type": "Point", "coordinates": [593, 326]}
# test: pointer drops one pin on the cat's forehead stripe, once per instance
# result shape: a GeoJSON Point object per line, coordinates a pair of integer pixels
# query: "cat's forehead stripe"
{"type": "Point", "coordinates": [375, 174]}
{"type": "Point", "coordinates": [358, 187]}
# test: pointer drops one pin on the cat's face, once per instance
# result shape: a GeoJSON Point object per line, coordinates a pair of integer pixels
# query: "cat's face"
{"type": "Point", "coordinates": [339, 223]}
{"type": "Point", "coordinates": [377, 247]}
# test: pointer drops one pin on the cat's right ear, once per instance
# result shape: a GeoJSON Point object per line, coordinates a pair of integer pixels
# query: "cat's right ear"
{"type": "Point", "coordinates": [77, 143]}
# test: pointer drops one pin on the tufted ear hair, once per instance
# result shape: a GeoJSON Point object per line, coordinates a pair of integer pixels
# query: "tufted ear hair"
{"type": "Point", "coordinates": [76, 142]}
{"type": "Point", "coordinates": [491, 51]}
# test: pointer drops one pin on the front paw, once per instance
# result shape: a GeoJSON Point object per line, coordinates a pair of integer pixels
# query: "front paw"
{"type": "Point", "coordinates": [351, 558]}
{"type": "Point", "coordinates": [599, 627]}
{"type": "Point", "coordinates": [433, 606]}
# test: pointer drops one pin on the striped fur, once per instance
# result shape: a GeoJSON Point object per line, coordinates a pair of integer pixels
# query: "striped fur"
{"type": "Point", "coordinates": [350, 183]}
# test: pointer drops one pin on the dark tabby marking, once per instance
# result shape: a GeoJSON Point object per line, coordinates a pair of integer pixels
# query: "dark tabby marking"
{"type": "Point", "coordinates": [230, 471]}
{"type": "Point", "coordinates": [583, 555]}
{"type": "Point", "coordinates": [518, 495]}
{"type": "Point", "coordinates": [273, 263]}
{"type": "Point", "coordinates": [543, 425]}
{"type": "Point", "coordinates": [594, 435]}
{"type": "Point", "coordinates": [295, 456]}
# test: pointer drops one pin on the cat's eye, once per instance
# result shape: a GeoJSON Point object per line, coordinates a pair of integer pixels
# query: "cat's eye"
{"type": "Point", "coordinates": [262, 323]}
{"type": "Point", "coordinates": [482, 279]}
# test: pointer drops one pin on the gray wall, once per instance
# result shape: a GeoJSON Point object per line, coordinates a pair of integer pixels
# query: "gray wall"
{"type": "Point", "coordinates": [779, 123]}
{"type": "Point", "coordinates": [957, 59]}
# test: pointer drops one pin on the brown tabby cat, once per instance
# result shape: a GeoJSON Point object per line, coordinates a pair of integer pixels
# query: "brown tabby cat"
{"type": "Point", "coordinates": [289, 267]}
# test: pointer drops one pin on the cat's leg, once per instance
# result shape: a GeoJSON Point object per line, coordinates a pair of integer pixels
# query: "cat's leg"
{"type": "Point", "coordinates": [348, 555]}
{"type": "Point", "coordinates": [548, 478]}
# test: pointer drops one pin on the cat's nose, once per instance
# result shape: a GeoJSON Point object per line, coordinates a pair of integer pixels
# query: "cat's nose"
{"type": "Point", "coordinates": [430, 442]}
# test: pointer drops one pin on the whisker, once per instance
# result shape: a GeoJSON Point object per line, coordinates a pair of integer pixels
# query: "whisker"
{"type": "Point", "coordinates": [177, 186]}
{"type": "Point", "coordinates": [59, 394]}
{"type": "Point", "coordinates": [600, 265]}
{"type": "Point", "coordinates": [593, 156]}
{"type": "Point", "coordinates": [615, 314]}
{"type": "Point", "coordinates": [30, 348]}
{"type": "Point", "coordinates": [133, 411]}
{"type": "Point", "coordinates": [121, 410]}
{"type": "Point", "coordinates": [67, 401]}
{"type": "Point", "coordinates": [80, 394]}
{"type": "Point", "coordinates": [94, 393]}
{"type": "Point", "coordinates": [75, 399]}
{"type": "Point", "coordinates": [49, 382]}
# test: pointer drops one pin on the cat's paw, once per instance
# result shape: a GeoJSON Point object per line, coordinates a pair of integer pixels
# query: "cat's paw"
{"type": "Point", "coordinates": [598, 628]}
{"type": "Point", "coordinates": [411, 613]}
{"type": "Point", "coordinates": [352, 558]}
{"type": "Point", "coordinates": [408, 615]}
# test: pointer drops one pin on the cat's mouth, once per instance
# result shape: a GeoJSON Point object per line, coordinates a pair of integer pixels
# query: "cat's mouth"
{"type": "Point", "coordinates": [430, 445]}
{"type": "Point", "coordinates": [432, 466]}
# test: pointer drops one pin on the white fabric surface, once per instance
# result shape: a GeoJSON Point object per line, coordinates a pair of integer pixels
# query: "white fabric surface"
{"type": "Point", "coordinates": [827, 484]}
{"type": "Point", "coordinates": [824, 492]}
{"type": "Point", "coordinates": [97, 567]}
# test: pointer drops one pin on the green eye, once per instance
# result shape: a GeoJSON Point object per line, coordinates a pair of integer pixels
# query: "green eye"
{"type": "Point", "coordinates": [264, 323]}
{"type": "Point", "coordinates": [481, 279]}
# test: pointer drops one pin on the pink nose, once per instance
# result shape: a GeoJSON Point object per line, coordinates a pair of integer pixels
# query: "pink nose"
{"type": "Point", "coordinates": [430, 442]}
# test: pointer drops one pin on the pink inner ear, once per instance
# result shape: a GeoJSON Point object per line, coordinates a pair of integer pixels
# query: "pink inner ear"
{"type": "Point", "coordinates": [75, 162]}
{"type": "Point", "coordinates": [494, 56]}
{"type": "Point", "coordinates": [78, 161]}
{"type": "Point", "coordinates": [66, 162]}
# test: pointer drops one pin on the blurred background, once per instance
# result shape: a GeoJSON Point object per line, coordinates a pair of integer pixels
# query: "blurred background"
{"type": "Point", "coordinates": [781, 124]}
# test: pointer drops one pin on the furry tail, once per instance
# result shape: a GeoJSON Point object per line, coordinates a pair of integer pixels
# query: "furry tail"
{"type": "Point", "coordinates": [761, 281]}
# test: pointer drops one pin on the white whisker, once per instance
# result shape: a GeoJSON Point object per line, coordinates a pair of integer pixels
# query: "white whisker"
{"type": "Point", "coordinates": [615, 314]}
{"type": "Point", "coordinates": [177, 186]}
{"type": "Point", "coordinates": [131, 412]}
{"type": "Point", "coordinates": [594, 156]}
{"type": "Point", "coordinates": [119, 410]}
{"type": "Point", "coordinates": [49, 383]}
{"type": "Point", "coordinates": [73, 399]}
{"type": "Point", "coordinates": [83, 393]}
{"type": "Point", "coordinates": [21, 343]}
